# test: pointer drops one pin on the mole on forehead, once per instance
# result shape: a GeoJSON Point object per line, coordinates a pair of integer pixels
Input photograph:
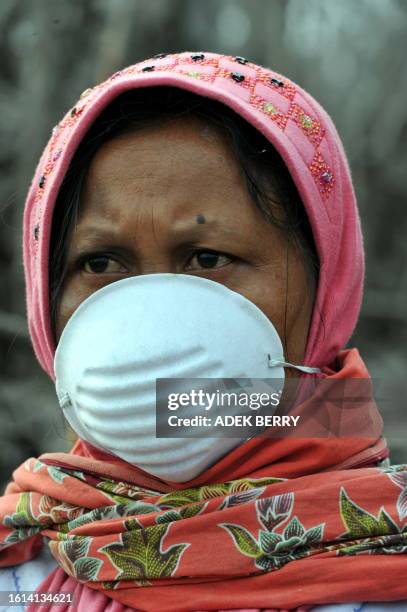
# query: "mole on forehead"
{"type": "Point", "coordinates": [200, 219]}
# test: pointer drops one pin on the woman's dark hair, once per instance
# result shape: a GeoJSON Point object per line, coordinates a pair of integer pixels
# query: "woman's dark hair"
{"type": "Point", "coordinates": [268, 181]}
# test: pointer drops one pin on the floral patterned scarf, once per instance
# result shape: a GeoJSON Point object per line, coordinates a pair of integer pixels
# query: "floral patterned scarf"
{"type": "Point", "coordinates": [278, 533]}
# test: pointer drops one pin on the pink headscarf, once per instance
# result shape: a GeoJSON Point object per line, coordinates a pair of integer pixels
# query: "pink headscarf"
{"type": "Point", "coordinates": [291, 120]}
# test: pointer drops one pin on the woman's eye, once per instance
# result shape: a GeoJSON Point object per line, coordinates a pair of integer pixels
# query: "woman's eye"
{"type": "Point", "coordinates": [207, 260]}
{"type": "Point", "coordinates": [102, 264]}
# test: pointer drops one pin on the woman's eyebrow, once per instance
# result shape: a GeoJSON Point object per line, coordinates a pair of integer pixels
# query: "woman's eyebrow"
{"type": "Point", "coordinates": [210, 227]}
{"type": "Point", "coordinates": [180, 230]}
{"type": "Point", "coordinates": [94, 233]}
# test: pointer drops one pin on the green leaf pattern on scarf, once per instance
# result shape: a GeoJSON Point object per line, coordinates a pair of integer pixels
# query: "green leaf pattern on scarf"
{"type": "Point", "coordinates": [204, 493]}
{"type": "Point", "coordinates": [380, 533]}
{"type": "Point", "coordinates": [110, 512]}
{"type": "Point", "coordinates": [271, 549]}
{"type": "Point", "coordinates": [181, 513]}
{"type": "Point", "coordinates": [398, 476]}
{"type": "Point", "coordinates": [22, 521]}
{"type": "Point", "coordinates": [57, 474]}
{"type": "Point", "coordinates": [359, 522]}
{"type": "Point", "coordinates": [121, 492]}
{"type": "Point", "coordinates": [139, 555]}
{"type": "Point", "coordinates": [72, 554]}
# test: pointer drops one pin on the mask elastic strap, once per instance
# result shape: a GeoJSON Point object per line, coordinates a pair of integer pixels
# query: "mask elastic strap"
{"type": "Point", "coordinates": [64, 401]}
{"type": "Point", "coordinates": [281, 362]}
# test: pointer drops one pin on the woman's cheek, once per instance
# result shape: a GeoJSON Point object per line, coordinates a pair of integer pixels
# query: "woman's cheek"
{"type": "Point", "coordinates": [73, 294]}
{"type": "Point", "coordinates": [77, 288]}
{"type": "Point", "coordinates": [264, 285]}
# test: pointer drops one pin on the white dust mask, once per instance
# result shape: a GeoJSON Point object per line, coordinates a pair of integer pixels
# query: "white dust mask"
{"type": "Point", "coordinates": [133, 331]}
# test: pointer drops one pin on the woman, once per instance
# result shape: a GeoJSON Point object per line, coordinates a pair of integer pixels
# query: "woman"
{"type": "Point", "coordinates": [232, 179]}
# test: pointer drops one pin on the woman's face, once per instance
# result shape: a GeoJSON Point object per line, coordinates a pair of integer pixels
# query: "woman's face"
{"type": "Point", "coordinates": [171, 198]}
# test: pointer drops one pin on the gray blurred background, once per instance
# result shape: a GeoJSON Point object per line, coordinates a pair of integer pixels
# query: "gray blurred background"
{"type": "Point", "coordinates": [351, 55]}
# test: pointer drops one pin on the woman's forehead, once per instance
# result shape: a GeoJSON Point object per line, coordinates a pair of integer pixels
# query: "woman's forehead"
{"type": "Point", "coordinates": [176, 157]}
{"type": "Point", "coordinates": [169, 179]}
